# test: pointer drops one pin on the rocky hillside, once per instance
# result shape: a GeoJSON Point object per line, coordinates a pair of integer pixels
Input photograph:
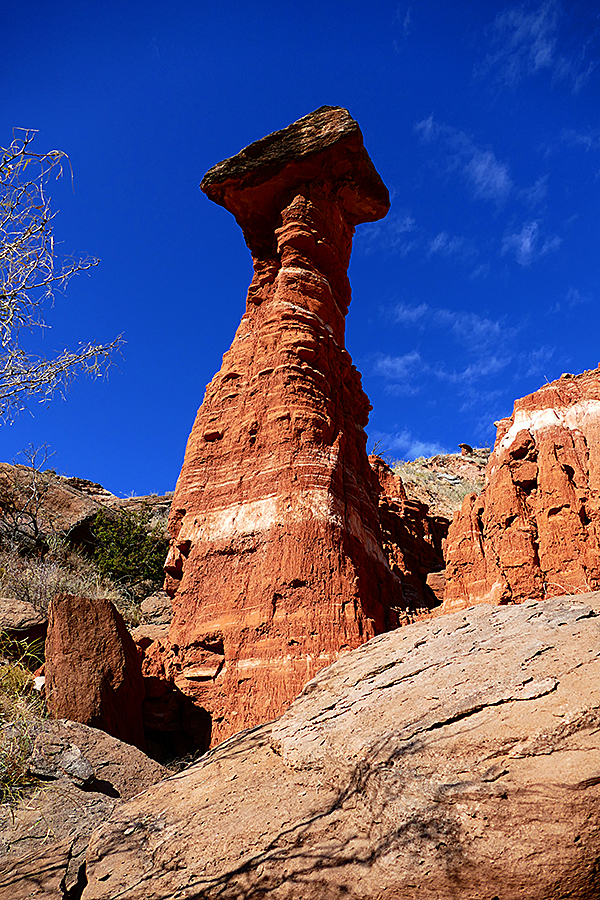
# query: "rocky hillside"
{"type": "Point", "coordinates": [443, 481]}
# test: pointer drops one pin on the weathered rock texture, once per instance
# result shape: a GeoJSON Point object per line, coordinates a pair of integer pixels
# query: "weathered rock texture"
{"type": "Point", "coordinates": [20, 620]}
{"type": "Point", "coordinates": [412, 541]}
{"type": "Point", "coordinates": [458, 757]}
{"type": "Point", "coordinates": [43, 837]}
{"type": "Point", "coordinates": [276, 563]}
{"type": "Point", "coordinates": [93, 672]}
{"type": "Point", "coordinates": [443, 481]}
{"type": "Point", "coordinates": [534, 531]}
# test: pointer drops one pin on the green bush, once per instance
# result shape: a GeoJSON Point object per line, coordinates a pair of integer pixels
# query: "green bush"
{"type": "Point", "coordinates": [128, 549]}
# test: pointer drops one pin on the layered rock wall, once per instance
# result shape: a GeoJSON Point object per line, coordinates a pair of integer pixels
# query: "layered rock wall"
{"type": "Point", "coordinates": [412, 541]}
{"type": "Point", "coordinates": [276, 563]}
{"type": "Point", "coordinates": [534, 530]}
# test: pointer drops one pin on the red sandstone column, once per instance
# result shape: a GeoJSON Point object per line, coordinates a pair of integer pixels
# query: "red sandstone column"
{"type": "Point", "coordinates": [276, 563]}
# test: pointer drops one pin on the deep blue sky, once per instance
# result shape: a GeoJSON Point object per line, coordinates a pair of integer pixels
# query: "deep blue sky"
{"type": "Point", "coordinates": [482, 282]}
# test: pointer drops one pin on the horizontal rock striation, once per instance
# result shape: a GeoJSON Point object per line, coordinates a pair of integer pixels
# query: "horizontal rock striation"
{"type": "Point", "coordinates": [534, 530]}
{"type": "Point", "coordinates": [276, 563]}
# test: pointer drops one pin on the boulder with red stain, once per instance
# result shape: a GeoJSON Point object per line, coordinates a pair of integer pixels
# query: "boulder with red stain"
{"type": "Point", "coordinates": [93, 671]}
{"type": "Point", "coordinates": [276, 563]}
{"type": "Point", "coordinates": [534, 531]}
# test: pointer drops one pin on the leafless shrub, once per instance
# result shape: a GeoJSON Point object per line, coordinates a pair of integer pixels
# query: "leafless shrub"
{"type": "Point", "coordinates": [25, 520]}
{"type": "Point", "coordinates": [62, 570]}
{"type": "Point", "coordinates": [29, 276]}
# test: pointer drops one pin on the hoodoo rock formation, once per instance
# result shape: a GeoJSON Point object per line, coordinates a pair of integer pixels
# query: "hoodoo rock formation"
{"type": "Point", "coordinates": [534, 531]}
{"type": "Point", "coordinates": [276, 562]}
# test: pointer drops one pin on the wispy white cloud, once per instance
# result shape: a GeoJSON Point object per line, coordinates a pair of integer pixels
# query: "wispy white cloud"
{"type": "Point", "coordinates": [398, 232]}
{"type": "Point", "coordinates": [488, 178]}
{"type": "Point", "coordinates": [478, 358]}
{"type": "Point", "coordinates": [550, 245]}
{"type": "Point", "coordinates": [588, 140]}
{"type": "Point", "coordinates": [405, 18]}
{"type": "Point", "coordinates": [481, 271]}
{"type": "Point", "coordinates": [486, 350]}
{"type": "Point", "coordinates": [538, 192]}
{"type": "Point", "coordinates": [535, 361]}
{"type": "Point", "coordinates": [574, 297]}
{"type": "Point", "coordinates": [428, 129]}
{"type": "Point", "coordinates": [478, 333]}
{"type": "Point", "coordinates": [408, 375]}
{"type": "Point", "coordinates": [407, 22]}
{"type": "Point", "coordinates": [527, 41]}
{"type": "Point", "coordinates": [399, 372]}
{"type": "Point", "coordinates": [446, 245]}
{"type": "Point", "coordinates": [527, 244]}
{"type": "Point", "coordinates": [410, 314]}
{"type": "Point", "coordinates": [483, 368]}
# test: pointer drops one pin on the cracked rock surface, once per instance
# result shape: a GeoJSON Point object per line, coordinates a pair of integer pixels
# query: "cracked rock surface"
{"type": "Point", "coordinates": [454, 758]}
{"type": "Point", "coordinates": [83, 774]}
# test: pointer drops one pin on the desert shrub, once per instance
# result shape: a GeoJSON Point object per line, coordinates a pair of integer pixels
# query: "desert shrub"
{"type": "Point", "coordinates": [62, 570]}
{"type": "Point", "coordinates": [130, 550]}
{"type": "Point", "coordinates": [15, 750]}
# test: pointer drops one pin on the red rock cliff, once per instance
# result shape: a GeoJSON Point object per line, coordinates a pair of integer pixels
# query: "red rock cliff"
{"type": "Point", "coordinates": [276, 562]}
{"type": "Point", "coordinates": [533, 532]}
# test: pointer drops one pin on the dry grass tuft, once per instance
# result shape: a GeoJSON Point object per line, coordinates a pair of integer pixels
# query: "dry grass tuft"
{"type": "Point", "coordinates": [21, 707]}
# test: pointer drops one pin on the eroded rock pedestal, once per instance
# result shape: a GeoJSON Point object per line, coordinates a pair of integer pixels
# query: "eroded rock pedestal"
{"type": "Point", "coordinates": [533, 532]}
{"type": "Point", "coordinates": [276, 563]}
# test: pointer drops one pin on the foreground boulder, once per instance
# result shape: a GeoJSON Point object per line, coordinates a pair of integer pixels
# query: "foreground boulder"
{"type": "Point", "coordinates": [84, 774]}
{"type": "Point", "coordinates": [93, 671]}
{"type": "Point", "coordinates": [455, 758]}
{"type": "Point", "coordinates": [277, 561]}
{"type": "Point", "coordinates": [534, 531]}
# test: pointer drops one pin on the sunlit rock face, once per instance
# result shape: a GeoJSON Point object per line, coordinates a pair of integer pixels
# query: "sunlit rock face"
{"type": "Point", "coordinates": [534, 531]}
{"type": "Point", "coordinates": [276, 563]}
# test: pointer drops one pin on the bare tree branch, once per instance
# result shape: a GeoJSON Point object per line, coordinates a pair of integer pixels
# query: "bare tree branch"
{"type": "Point", "coordinates": [29, 275]}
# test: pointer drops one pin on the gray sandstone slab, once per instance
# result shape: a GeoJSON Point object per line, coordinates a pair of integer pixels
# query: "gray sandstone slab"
{"type": "Point", "coordinates": [454, 758]}
{"type": "Point", "coordinates": [84, 774]}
